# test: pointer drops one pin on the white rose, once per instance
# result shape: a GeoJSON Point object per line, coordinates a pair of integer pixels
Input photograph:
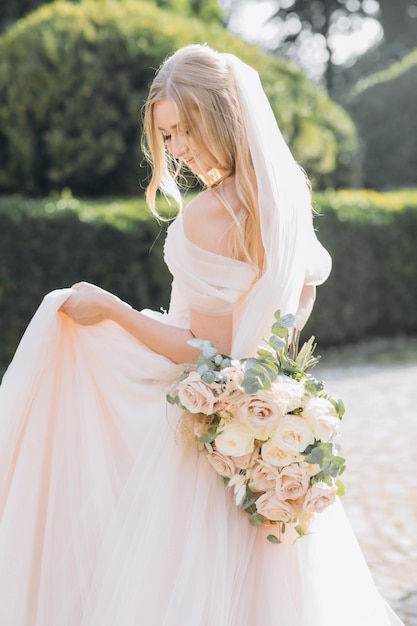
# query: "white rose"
{"type": "Point", "coordinates": [222, 464]}
{"type": "Point", "coordinates": [235, 440]}
{"type": "Point", "coordinates": [293, 434]}
{"type": "Point", "coordinates": [260, 412]}
{"type": "Point", "coordinates": [289, 393]}
{"type": "Point", "coordinates": [319, 496]}
{"type": "Point", "coordinates": [273, 508]}
{"type": "Point", "coordinates": [195, 395]}
{"type": "Point", "coordinates": [292, 482]}
{"type": "Point", "coordinates": [322, 417]}
{"type": "Point", "coordinates": [275, 455]}
{"type": "Point", "coordinates": [263, 477]}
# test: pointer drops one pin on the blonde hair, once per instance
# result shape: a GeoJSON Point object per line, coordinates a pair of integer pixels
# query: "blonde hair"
{"type": "Point", "coordinates": [196, 78]}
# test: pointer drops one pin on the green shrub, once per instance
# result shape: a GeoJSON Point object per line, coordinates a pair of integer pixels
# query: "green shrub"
{"type": "Point", "coordinates": [48, 244]}
{"type": "Point", "coordinates": [372, 290]}
{"type": "Point", "coordinates": [383, 107]}
{"type": "Point", "coordinates": [73, 79]}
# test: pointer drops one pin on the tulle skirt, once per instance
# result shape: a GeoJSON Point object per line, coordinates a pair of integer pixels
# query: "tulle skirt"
{"type": "Point", "coordinates": [108, 518]}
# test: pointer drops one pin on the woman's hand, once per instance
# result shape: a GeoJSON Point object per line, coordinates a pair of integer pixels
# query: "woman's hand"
{"type": "Point", "coordinates": [89, 304]}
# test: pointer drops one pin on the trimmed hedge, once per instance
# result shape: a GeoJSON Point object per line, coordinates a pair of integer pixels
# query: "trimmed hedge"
{"type": "Point", "coordinates": [52, 243]}
{"type": "Point", "coordinates": [73, 79]}
{"type": "Point", "coordinates": [372, 290]}
{"type": "Point", "coordinates": [383, 107]}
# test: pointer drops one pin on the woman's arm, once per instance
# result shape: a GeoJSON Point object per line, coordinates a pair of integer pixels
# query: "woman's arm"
{"type": "Point", "coordinates": [91, 305]}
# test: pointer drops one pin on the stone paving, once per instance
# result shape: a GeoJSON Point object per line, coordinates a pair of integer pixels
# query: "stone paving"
{"type": "Point", "coordinates": [380, 445]}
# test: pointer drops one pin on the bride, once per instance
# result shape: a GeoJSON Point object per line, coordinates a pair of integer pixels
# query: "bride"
{"type": "Point", "coordinates": [106, 518]}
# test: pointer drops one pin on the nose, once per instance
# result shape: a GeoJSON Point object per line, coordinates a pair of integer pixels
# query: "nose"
{"type": "Point", "coordinates": [178, 146]}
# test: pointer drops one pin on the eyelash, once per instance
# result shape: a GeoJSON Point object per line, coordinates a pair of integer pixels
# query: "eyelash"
{"type": "Point", "coordinates": [166, 138]}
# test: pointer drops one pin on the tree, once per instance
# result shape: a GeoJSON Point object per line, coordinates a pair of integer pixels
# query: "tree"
{"type": "Point", "coordinates": [303, 26]}
{"type": "Point", "coordinates": [301, 19]}
{"type": "Point", "coordinates": [206, 10]}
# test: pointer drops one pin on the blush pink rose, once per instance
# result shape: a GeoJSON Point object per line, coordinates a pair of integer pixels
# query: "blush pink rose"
{"type": "Point", "coordinates": [319, 497]}
{"type": "Point", "coordinates": [248, 460]}
{"type": "Point", "coordinates": [222, 464]}
{"type": "Point", "coordinates": [260, 412]}
{"type": "Point", "coordinates": [292, 482]}
{"type": "Point", "coordinates": [273, 508]}
{"type": "Point", "coordinates": [195, 395]}
{"type": "Point", "coordinates": [263, 477]}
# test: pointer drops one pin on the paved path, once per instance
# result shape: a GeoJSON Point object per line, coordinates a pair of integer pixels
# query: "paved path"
{"type": "Point", "coordinates": [380, 444]}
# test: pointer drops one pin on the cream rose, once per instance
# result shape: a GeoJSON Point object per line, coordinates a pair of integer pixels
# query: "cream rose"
{"type": "Point", "coordinates": [275, 455]}
{"type": "Point", "coordinates": [292, 482]}
{"type": "Point", "coordinates": [222, 464]}
{"type": "Point", "coordinates": [260, 412]}
{"type": "Point", "coordinates": [273, 508]}
{"type": "Point", "coordinates": [263, 477]}
{"type": "Point", "coordinates": [195, 395]}
{"type": "Point", "coordinates": [319, 496]}
{"type": "Point", "coordinates": [322, 417]}
{"type": "Point", "coordinates": [288, 392]}
{"type": "Point", "coordinates": [235, 440]}
{"type": "Point", "coordinates": [293, 434]}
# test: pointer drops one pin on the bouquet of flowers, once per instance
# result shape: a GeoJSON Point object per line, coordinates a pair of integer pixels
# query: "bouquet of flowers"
{"type": "Point", "coordinates": [267, 427]}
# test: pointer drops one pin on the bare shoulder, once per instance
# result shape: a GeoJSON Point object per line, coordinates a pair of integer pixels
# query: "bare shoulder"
{"type": "Point", "coordinates": [207, 223]}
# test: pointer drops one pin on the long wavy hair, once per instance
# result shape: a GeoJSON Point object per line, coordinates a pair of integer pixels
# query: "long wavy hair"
{"type": "Point", "coordinates": [197, 79]}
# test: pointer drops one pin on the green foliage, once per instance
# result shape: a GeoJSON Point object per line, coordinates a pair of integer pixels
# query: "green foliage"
{"type": "Point", "coordinates": [45, 245]}
{"type": "Point", "coordinates": [70, 110]}
{"type": "Point", "coordinates": [383, 107]}
{"type": "Point", "coordinates": [372, 290]}
{"type": "Point", "coordinates": [205, 10]}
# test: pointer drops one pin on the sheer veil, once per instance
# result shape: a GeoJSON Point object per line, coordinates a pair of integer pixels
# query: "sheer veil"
{"type": "Point", "coordinates": [294, 259]}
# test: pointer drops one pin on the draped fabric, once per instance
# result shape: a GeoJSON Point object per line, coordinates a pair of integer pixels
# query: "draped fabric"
{"type": "Point", "coordinates": [293, 256]}
{"type": "Point", "coordinates": [109, 519]}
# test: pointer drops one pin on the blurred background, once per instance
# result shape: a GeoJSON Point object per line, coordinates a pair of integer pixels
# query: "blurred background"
{"type": "Point", "coordinates": [341, 76]}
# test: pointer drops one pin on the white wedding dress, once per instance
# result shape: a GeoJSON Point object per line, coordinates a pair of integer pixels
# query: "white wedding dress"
{"type": "Point", "coordinates": [108, 519]}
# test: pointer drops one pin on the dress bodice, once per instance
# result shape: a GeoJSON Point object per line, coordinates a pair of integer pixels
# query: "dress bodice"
{"type": "Point", "coordinates": [204, 281]}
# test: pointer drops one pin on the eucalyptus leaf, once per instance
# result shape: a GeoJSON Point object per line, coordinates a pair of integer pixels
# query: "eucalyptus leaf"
{"type": "Point", "coordinates": [288, 320]}
{"type": "Point", "coordinates": [207, 438]}
{"type": "Point", "coordinates": [196, 343]}
{"type": "Point", "coordinates": [274, 539]}
{"type": "Point", "coordinates": [256, 519]}
{"type": "Point", "coordinates": [316, 456]}
{"type": "Point", "coordinates": [280, 331]}
{"type": "Point", "coordinates": [218, 360]}
{"type": "Point", "coordinates": [209, 351]}
{"type": "Point", "coordinates": [248, 503]}
{"type": "Point", "coordinates": [208, 378]}
{"type": "Point", "coordinates": [340, 488]}
{"type": "Point", "coordinates": [171, 399]}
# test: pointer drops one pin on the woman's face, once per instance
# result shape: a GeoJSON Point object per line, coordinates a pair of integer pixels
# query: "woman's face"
{"type": "Point", "coordinates": [178, 140]}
